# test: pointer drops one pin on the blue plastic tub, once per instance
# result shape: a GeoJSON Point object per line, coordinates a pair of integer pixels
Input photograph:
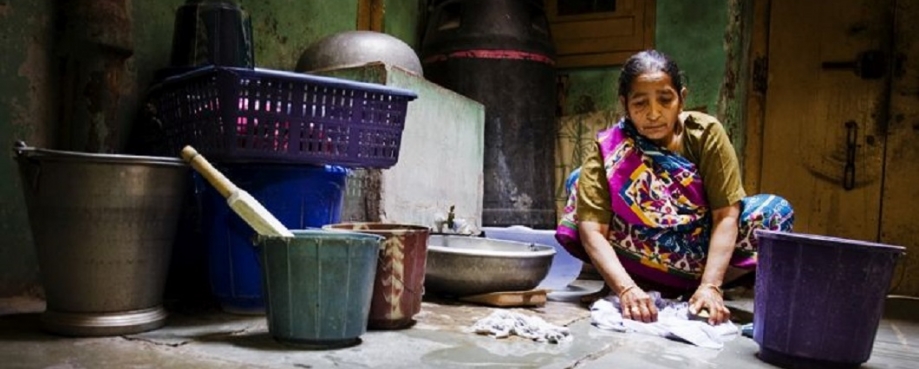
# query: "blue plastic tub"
{"type": "Point", "coordinates": [819, 299]}
{"type": "Point", "coordinates": [300, 196]}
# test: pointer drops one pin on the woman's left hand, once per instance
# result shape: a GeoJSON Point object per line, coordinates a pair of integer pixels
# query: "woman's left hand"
{"type": "Point", "coordinates": [709, 298]}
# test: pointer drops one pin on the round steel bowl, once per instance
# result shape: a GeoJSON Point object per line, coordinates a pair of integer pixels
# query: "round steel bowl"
{"type": "Point", "coordinates": [462, 265]}
{"type": "Point", "coordinates": [352, 48]}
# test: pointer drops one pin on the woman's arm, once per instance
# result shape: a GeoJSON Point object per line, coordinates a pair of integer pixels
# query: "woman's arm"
{"type": "Point", "coordinates": [635, 303]}
{"type": "Point", "coordinates": [720, 250]}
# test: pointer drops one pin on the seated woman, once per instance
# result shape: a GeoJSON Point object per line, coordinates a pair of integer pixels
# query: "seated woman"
{"type": "Point", "coordinates": [659, 202]}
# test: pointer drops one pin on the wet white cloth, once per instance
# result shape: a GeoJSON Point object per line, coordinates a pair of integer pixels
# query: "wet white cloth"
{"type": "Point", "coordinates": [503, 323]}
{"type": "Point", "coordinates": [673, 322]}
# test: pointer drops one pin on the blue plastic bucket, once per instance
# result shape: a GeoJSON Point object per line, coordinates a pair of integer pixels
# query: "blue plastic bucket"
{"type": "Point", "coordinates": [819, 299]}
{"type": "Point", "coordinates": [300, 196]}
{"type": "Point", "coordinates": [319, 286]}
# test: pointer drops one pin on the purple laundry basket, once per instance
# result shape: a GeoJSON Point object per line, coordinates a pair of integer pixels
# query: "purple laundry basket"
{"type": "Point", "coordinates": [819, 299]}
{"type": "Point", "coordinates": [300, 196]}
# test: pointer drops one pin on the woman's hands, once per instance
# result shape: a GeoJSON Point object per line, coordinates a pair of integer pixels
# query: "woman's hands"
{"type": "Point", "coordinates": [708, 297]}
{"type": "Point", "coordinates": [637, 305]}
{"type": "Point", "coordinates": [721, 246]}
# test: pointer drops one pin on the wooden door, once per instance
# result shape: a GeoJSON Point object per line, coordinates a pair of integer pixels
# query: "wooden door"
{"type": "Point", "coordinates": [900, 195]}
{"type": "Point", "coordinates": [828, 144]}
{"type": "Point", "coordinates": [805, 148]}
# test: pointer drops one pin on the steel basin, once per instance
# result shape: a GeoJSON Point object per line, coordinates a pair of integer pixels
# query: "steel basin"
{"type": "Point", "coordinates": [901, 308]}
{"type": "Point", "coordinates": [462, 265]}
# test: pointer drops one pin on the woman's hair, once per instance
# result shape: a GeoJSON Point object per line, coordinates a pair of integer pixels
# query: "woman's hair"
{"type": "Point", "coordinates": [646, 62]}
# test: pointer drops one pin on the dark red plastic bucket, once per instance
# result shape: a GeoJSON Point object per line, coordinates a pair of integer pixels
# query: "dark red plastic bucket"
{"type": "Point", "coordinates": [399, 283]}
{"type": "Point", "coordinates": [819, 299]}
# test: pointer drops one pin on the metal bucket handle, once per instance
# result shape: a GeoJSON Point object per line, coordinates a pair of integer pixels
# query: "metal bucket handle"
{"type": "Point", "coordinates": [30, 167]}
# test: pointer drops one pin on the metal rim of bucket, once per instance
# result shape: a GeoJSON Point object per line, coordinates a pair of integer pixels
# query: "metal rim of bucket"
{"type": "Point", "coordinates": [528, 250]}
{"type": "Point", "coordinates": [540, 251]}
{"type": "Point", "coordinates": [392, 228]}
{"type": "Point", "coordinates": [103, 324]}
{"type": "Point", "coordinates": [827, 241]}
{"type": "Point", "coordinates": [46, 154]}
{"type": "Point", "coordinates": [268, 165]}
{"type": "Point", "coordinates": [323, 234]}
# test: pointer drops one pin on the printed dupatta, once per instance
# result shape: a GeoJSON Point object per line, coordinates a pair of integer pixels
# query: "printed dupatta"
{"type": "Point", "coordinates": [651, 188]}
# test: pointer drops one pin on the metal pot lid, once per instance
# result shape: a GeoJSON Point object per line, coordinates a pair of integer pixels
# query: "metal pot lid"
{"type": "Point", "coordinates": [351, 48]}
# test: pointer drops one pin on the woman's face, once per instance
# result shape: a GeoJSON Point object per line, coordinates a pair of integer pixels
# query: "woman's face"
{"type": "Point", "coordinates": [654, 106]}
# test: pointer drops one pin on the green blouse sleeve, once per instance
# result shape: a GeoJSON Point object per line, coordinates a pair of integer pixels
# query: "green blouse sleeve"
{"type": "Point", "coordinates": [708, 146]}
{"type": "Point", "coordinates": [719, 168]}
{"type": "Point", "coordinates": [593, 190]}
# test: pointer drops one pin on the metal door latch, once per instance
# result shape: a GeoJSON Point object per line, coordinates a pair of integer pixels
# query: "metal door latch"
{"type": "Point", "coordinates": [871, 64]}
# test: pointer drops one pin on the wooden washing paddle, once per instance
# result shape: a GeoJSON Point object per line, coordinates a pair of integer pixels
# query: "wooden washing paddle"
{"type": "Point", "coordinates": [246, 206]}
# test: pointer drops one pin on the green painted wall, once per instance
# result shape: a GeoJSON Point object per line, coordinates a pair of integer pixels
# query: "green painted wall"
{"type": "Point", "coordinates": [732, 101]}
{"type": "Point", "coordinates": [25, 38]}
{"type": "Point", "coordinates": [590, 89]}
{"type": "Point", "coordinates": [691, 32]}
{"type": "Point", "coordinates": [402, 19]}
{"type": "Point", "coordinates": [282, 29]}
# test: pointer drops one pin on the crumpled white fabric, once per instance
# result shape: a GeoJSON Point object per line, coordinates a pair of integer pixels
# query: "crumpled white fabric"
{"type": "Point", "coordinates": [503, 323]}
{"type": "Point", "coordinates": [673, 322]}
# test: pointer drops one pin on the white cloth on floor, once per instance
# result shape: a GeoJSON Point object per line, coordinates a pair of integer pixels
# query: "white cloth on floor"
{"type": "Point", "coordinates": [503, 323]}
{"type": "Point", "coordinates": [673, 322]}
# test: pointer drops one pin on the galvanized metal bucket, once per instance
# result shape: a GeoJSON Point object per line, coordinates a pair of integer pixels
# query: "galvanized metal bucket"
{"type": "Point", "coordinates": [103, 227]}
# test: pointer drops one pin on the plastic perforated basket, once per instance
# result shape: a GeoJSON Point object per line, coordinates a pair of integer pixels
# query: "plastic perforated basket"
{"type": "Point", "coordinates": [261, 115]}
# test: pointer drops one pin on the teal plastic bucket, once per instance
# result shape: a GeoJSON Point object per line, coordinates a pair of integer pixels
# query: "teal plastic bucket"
{"type": "Point", "coordinates": [318, 286]}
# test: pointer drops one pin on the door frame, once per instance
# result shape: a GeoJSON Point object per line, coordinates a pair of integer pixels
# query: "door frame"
{"type": "Point", "coordinates": [755, 114]}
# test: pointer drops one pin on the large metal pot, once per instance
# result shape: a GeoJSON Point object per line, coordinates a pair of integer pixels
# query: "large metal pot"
{"type": "Point", "coordinates": [352, 48]}
{"type": "Point", "coordinates": [462, 265]}
{"type": "Point", "coordinates": [103, 227]}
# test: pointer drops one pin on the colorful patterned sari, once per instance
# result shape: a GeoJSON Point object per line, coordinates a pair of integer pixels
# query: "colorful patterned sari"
{"type": "Point", "coordinates": [661, 222]}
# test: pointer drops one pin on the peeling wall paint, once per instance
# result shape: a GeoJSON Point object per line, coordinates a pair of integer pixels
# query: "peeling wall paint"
{"type": "Point", "coordinates": [732, 98]}
{"type": "Point", "coordinates": [691, 33]}
{"type": "Point", "coordinates": [283, 29]}
{"type": "Point", "coordinates": [590, 89]}
{"type": "Point", "coordinates": [403, 19]}
{"type": "Point", "coordinates": [24, 115]}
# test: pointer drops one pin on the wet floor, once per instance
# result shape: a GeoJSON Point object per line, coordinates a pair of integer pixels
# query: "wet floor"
{"type": "Point", "coordinates": [439, 339]}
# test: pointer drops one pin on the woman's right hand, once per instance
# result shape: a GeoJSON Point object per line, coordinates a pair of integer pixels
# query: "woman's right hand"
{"type": "Point", "coordinates": [637, 305]}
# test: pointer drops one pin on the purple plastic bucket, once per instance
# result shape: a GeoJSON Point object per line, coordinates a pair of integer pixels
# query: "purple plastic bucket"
{"type": "Point", "coordinates": [819, 299]}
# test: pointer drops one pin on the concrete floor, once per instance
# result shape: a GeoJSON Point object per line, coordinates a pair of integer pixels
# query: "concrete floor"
{"type": "Point", "coordinates": [212, 339]}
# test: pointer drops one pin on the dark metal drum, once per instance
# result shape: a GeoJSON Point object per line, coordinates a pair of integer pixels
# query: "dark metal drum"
{"type": "Point", "coordinates": [500, 53]}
